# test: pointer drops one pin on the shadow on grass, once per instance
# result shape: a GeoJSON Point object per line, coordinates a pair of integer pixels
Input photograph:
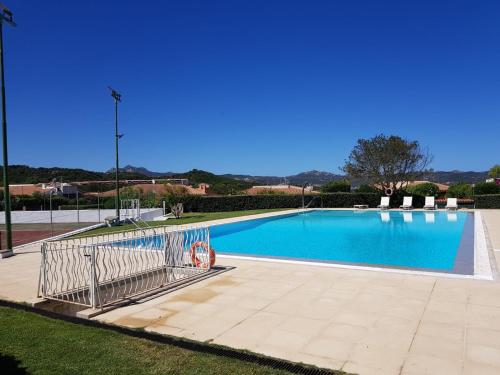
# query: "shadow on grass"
{"type": "Point", "coordinates": [10, 365]}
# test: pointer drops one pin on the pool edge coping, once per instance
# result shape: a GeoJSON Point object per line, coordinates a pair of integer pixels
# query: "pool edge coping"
{"type": "Point", "coordinates": [482, 265]}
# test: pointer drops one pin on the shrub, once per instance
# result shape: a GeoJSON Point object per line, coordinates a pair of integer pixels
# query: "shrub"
{"type": "Point", "coordinates": [425, 189]}
{"type": "Point", "coordinates": [367, 189]}
{"type": "Point", "coordinates": [80, 207]}
{"type": "Point", "coordinates": [483, 188]}
{"type": "Point", "coordinates": [460, 190]}
{"type": "Point", "coordinates": [336, 187]}
{"type": "Point", "coordinates": [487, 201]}
{"type": "Point", "coordinates": [254, 202]}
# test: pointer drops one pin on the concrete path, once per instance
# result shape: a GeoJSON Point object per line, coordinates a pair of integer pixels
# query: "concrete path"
{"type": "Point", "coordinates": [359, 321]}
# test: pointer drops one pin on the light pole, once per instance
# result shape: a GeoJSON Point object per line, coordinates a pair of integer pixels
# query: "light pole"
{"type": "Point", "coordinates": [303, 190]}
{"type": "Point", "coordinates": [5, 16]}
{"type": "Point", "coordinates": [118, 98]}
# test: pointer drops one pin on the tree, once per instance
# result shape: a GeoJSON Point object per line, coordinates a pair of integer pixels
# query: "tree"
{"type": "Point", "coordinates": [174, 196]}
{"type": "Point", "coordinates": [387, 161]}
{"type": "Point", "coordinates": [460, 190]}
{"type": "Point", "coordinates": [336, 186]}
{"type": "Point", "coordinates": [494, 171]}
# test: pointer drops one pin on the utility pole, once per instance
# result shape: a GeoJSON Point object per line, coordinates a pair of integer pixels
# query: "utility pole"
{"type": "Point", "coordinates": [118, 98]}
{"type": "Point", "coordinates": [5, 17]}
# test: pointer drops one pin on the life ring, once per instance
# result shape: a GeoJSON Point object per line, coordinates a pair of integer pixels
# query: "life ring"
{"type": "Point", "coordinates": [194, 258]}
{"type": "Point", "coordinates": [389, 192]}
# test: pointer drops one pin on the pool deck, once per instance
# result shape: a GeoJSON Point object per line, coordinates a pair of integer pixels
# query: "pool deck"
{"type": "Point", "coordinates": [366, 322]}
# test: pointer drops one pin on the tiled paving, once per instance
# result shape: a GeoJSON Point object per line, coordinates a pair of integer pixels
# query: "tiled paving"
{"type": "Point", "coordinates": [360, 321]}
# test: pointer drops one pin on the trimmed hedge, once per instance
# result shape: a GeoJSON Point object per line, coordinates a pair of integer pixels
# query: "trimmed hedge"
{"type": "Point", "coordinates": [256, 202]}
{"type": "Point", "coordinates": [80, 207]}
{"type": "Point", "coordinates": [487, 201]}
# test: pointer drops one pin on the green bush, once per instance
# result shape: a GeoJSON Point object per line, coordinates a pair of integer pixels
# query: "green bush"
{"type": "Point", "coordinates": [254, 202]}
{"type": "Point", "coordinates": [340, 186]}
{"type": "Point", "coordinates": [460, 190]}
{"type": "Point", "coordinates": [367, 189]}
{"type": "Point", "coordinates": [109, 202]}
{"type": "Point", "coordinates": [425, 189]}
{"type": "Point", "coordinates": [487, 201]}
{"type": "Point", "coordinates": [80, 207]}
{"type": "Point", "coordinates": [483, 188]}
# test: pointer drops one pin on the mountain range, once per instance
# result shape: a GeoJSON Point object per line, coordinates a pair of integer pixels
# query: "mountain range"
{"type": "Point", "coordinates": [227, 182]}
{"type": "Point", "coordinates": [315, 177]}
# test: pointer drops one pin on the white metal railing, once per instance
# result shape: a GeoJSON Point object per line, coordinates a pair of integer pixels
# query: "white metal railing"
{"type": "Point", "coordinates": [98, 271]}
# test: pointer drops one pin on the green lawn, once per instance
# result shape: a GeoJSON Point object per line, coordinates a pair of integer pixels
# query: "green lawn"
{"type": "Point", "coordinates": [42, 345]}
{"type": "Point", "coordinates": [187, 218]}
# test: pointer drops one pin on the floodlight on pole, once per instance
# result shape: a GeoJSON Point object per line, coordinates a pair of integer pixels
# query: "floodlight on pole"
{"type": "Point", "coordinates": [118, 98]}
{"type": "Point", "coordinates": [5, 17]}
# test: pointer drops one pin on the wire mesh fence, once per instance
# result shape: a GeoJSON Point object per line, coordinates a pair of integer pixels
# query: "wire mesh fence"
{"type": "Point", "coordinates": [99, 271]}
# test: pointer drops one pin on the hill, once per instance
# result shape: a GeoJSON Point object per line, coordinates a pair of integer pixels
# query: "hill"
{"type": "Point", "coordinates": [141, 171]}
{"type": "Point", "coordinates": [218, 184]}
{"type": "Point", "coordinates": [313, 177]}
{"type": "Point", "coordinates": [221, 184]}
{"type": "Point", "coordinates": [451, 177]}
{"type": "Point", "coordinates": [23, 174]}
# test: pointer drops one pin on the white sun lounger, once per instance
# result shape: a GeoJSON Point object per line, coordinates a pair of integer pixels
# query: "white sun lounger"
{"type": "Point", "coordinates": [429, 203]}
{"type": "Point", "coordinates": [451, 204]}
{"type": "Point", "coordinates": [384, 203]}
{"type": "Point", "coordinates": [407, 203]}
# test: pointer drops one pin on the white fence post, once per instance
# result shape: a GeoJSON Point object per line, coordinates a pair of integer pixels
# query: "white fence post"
{"type": "Point", "coordinates": [93, 278]}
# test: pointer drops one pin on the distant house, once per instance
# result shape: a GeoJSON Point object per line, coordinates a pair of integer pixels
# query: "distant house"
{"type": "Point", "coordinates": [496, 180]}
{"type": "Point", "coordinates": [56, 188]}
{"type": "Point", "coordinates": [280, 189]}
{"type": "Point", "coordinates": [159, 189]}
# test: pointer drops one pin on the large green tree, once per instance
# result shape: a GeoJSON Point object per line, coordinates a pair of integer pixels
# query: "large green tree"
{"type": "Point", "coordinates": [387, 161]}
{"type": "Point", "coordinates": [494, 171]}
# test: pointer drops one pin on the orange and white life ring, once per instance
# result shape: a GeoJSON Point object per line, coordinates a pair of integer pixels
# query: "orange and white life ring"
{"type": "Point", "coordinates": [194, 258]}
{"type": "Point", "coordinates": [389, 192]}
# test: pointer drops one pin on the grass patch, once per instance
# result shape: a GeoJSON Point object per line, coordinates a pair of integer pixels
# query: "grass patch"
{"type": "Point", "coordinates": [187, 218]}
{"type": "Point", "coordinates": [34, 344]}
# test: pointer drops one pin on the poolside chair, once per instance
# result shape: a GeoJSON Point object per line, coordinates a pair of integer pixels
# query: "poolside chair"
{"type": "Point", "coordinates": [451, 204]}
{"type": "Point", "coordinates": [429, 203]}
{"type": "Point", "coordinates": [384, 203]}
{"type": "Point", "coordinates": [407, 203]}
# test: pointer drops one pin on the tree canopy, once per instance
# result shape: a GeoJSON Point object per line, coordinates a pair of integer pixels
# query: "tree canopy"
{"type": "Point", "coordinates": [425, 189]}
{"type": "Point", "coordinates": [494, 171]}
{"type": "Point", "coordinates": [336, 186]}
{"type": "Point", "coordinates": [387, 161]}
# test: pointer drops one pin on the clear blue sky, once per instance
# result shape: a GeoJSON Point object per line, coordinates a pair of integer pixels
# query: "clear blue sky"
{"type": "Point", "coordinates": [259, 87]}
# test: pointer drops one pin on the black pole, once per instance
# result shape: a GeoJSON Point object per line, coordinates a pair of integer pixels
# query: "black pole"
{"type": "Point", "coordinates": [6, 192]}
{"type": "Point", "coordinates": [117, 198]}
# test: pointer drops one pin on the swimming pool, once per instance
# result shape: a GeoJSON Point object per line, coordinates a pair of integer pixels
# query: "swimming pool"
{"type": "Point", "coordinates": [432, 241]}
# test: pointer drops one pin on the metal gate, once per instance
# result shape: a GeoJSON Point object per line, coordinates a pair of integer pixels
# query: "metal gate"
{"type": "Point", "coordinates": [99, 271]}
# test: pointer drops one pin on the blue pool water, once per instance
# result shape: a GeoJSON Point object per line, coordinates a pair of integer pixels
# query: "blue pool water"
{"type": "Point", "coordinates": [417, 240]}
